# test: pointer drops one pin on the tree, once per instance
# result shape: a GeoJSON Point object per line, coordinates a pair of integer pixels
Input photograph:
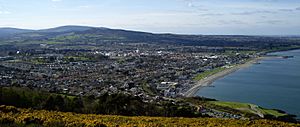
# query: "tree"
{"type": "Point", "coordinates": [49, 104]}
{"type": "Point", "coordinates": [77, 104]}
{"type": "Point", "coordinates": [59, 103]}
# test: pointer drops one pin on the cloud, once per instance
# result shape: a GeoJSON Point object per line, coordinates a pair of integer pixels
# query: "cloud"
{"type": "Point", "coordinates": [290, 10]}
{"type": "Point", "coordinates": [253, 12]}
{"type": "Point", "coordinates": [286, 10]}
{"type": "Point", "coordinates": [5, 12]}
{"type": "Point", "coordinates": [192, 4]}
{"type": "Point", "coordinates": [84, 6]}
{"type": "Point", "coordinates": [232, 22]}
{"type": "Point", "coordinates": [212, 14]}
{"type": "Point", "coordinates": [271, 22]}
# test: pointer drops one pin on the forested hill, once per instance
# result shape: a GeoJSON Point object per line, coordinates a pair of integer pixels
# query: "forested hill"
{"type": "Point", "coordinates": [99, 35]}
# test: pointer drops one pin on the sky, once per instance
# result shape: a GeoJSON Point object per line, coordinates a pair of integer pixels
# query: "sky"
{"type": "Point", "coordinates": [226, 17]}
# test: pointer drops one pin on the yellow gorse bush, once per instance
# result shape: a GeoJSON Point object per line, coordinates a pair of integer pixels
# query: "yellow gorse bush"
{"type": "Point", "coordinates": [9, 114]}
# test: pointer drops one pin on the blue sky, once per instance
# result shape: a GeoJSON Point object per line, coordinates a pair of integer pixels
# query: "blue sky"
{"type": "Point", "coordinates": [251, 17]}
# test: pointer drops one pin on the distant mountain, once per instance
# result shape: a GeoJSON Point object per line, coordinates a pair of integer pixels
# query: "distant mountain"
{"type": "Point", "coordinates": [71, 35]}
{"type": "Point", "coordinates": [69, 28]}
{"type": "Point", "coordinates": [11, 31]}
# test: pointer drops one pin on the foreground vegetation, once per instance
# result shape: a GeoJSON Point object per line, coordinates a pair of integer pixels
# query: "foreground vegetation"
{"type": "Point", "coordinates": [114, 104]}
{"type": "Point", "coordinates": [126, 105]}
{"type": "Point", "coordinates": [11, 116]}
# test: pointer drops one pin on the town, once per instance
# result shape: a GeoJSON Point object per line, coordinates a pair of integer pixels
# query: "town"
{"type": "Point", "coordinates": [144, 70]}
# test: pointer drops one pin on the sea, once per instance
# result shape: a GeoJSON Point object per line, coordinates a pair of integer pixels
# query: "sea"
{"type": "Point", "coordinates": [273, 83]}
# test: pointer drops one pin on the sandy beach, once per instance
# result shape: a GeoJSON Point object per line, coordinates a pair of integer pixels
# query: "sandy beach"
{"type": "Point", "coordinates": [210, 79]}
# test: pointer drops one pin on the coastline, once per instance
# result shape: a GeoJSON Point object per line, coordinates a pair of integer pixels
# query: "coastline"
{"type": "Point", "coordinates": [210, 79]}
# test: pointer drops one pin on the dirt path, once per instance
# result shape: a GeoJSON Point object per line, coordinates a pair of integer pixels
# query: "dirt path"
{"type": "Point", "coordinates": [256, 110]}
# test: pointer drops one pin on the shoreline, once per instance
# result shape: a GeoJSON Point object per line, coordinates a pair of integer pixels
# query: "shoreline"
{"type": "Point", "coordinates": [210, 79]}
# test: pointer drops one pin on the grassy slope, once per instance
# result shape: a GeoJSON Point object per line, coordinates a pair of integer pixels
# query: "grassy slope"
{"type": "Point", "coordinates": [246, 107]}
{"type": "Point", "coordinates": [205, 74]}
{"type": "Point", "coordinates": [22, 117]}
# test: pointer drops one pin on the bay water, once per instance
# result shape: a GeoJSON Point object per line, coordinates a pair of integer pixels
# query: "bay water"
{"type": "Point", "coordinates": [274, 83]}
